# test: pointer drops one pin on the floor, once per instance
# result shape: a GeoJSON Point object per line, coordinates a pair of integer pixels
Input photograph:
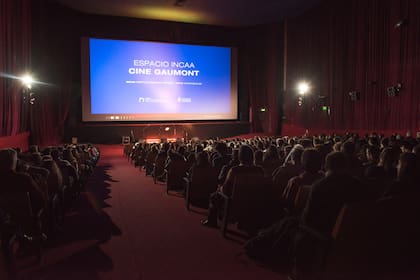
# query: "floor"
{"type": "Point", "coordinates": [126, 227]}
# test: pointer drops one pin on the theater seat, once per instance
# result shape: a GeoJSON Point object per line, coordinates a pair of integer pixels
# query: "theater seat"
{"type": "Point", "coordinates": [375, 239]}
{"type": "Point", "coordinates": [247, 205]}
{"type": "Point", "coordinates": [203, 182]}
{"type": "Point", "coordinates": [22, 225]}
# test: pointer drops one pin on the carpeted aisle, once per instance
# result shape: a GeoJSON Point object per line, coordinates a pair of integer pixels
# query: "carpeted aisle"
{"type": "Point", "coordinates": [126, 227]}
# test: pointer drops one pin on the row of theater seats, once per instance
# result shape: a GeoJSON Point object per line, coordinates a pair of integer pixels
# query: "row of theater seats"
{"type": "Point", "coordinates": [373, 238]}
{"type": "Point", "coordinates": [38, 188]}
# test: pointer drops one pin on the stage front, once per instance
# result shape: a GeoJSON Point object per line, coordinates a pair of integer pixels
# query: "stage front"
{"type": "Point", "coordinates": [113, 133]}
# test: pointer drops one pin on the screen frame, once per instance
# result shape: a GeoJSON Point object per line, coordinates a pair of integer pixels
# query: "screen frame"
{"type": "Point", "coordinates": [88, 117]}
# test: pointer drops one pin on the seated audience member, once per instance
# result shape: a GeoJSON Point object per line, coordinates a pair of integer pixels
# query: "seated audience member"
{"type": "Point", "coordinates": [270, 160]}
{"type": "Point", "coordinates": [407, 176]}
{"type": "Point", "coordinates": [225, 169]}
{"type": "Point", "coordinates": [372, 156]}
{"type": "Point", "coordinates": [221, 158]}
{"type": "Point", "coordinates": [407, 146]}
{"type": "Point", "coordinates": [160, 162]}
{"type": "Point", "coordinates": [354, 165]}
{"type": "Point", "coordinates": [311, 163]}
{"type": "Point", "coordinates": [290, 169]}
{"type": "Point", "coordinates": [329, 194]}
{"type": "Point", "coordinates": [67, 170]}
{"type": "Point", "coordinates": [386, 169]}
{"type": "Point", "coordinates": [68, 155]}
{"type": "Point", "coordinates": [246, 166]}
{"type": "Point", "coordinates": [202, 170]}
{"type": "Point", "coordinates": [176, 167]}
{"type": "Point", "coordinates": [150, 159]}
{"type": "Point", "coordinates": [15, 182]}
{"type": "Point", "coordinates": [55, 178]}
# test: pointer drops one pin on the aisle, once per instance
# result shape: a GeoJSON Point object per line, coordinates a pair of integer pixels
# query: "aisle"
{"type": "Point", "coordinates": [128, 228]}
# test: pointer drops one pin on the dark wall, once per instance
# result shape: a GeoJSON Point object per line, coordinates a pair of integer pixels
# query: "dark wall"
{"type": "Point", "coordinates": [56, 58]}
{"type": "Point", "coordinates": [343, 46]}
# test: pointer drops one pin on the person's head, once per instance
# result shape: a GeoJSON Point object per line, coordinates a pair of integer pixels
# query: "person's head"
{"type": "Point", "coordinates": [271, 153]}
{"type": "Point", "coordinates": [373, 153]}
{"type": "Point", "coordinates": [407, 166]}
{"type": "Point", "coordinates": [407, 146]}
{"type": "Point", "coordinates": [246, 155]}
{"type": "Point", "coordinates": [202, 158]}
{"type": "Point", "coordinates": [181, 149]}
{"type": "Point", "coordinates": [279, 142]}
{"type": "Point", "coordinates": [311, 160]}
{"type": "Point", "coordinates": [221, 148]}
{"type": "Point", "coordinates": [384, 142]}
{"type": "Point", "coordinates": [387, 158]}
{"type": "Point", "coordinates": [36, 159]}
{"type": "Point", "coordinates": [336, 162]}
{"type": "Point", "coordinates": [33, 149]}
{"type": "Point", "coordinates": [55, 154]}
{"type": "Point", "coordinates": [337, 146]}
{"type": "Point", "coordinates": [199, 148]}
{"type": "Point", "coordinates": [348, 148]}
{"type": "Point", "coordinates": [306, 143]}
{"type": "Point", "coordinates": [296, 154]}
{"type": "Point", "coordinates": [8, 160]}
{"type": "Point", "coordinates": [68, 155]}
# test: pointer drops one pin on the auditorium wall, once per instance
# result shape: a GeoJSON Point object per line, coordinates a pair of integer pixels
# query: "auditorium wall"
{"type": "Point", "coordinates": [56, 59]}
{"type": "Point", "coordinates": [362, 46]}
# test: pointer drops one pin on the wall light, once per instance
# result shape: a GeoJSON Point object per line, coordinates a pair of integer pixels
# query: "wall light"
{"type": "Point", "coordinates": [303, 88]}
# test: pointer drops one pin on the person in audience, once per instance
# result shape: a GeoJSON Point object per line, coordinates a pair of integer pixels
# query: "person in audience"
{"type": "Point", "coordinates": [202, 171]}
{"type": "Point", "coordinates": [221, 158]}
{"type": "Point", "coordinates": [176, 167]}
{"type": "Point", "coordinates": [372, 156]}
{"type": "Point", "coordinates": [354, 165]}
{"type": "Point", "coordinates": [270, 160]}
{"type": "Point", "coordinates": [150, 159]}
{"type": "Point", "coordinates": [407, 176]}
{"type": "Point", "coordinates": [311, 163]}
{"type": "Point", "coordinates": [246, 166]}
{"type": "Point", "coordinates": [68, 155]}
{"type": "Point", "coordinates": [386, 168]}
{"type": "Point", "coordinates": [289, 169]}
{"type": "Point", "coordinates": [68, 171]}
{"type": "Point", "coordinates": [225, 169]}
{"type": "Point", "coordinates": [55, 178]}
{"type": "Point", "coordinates": [329, 194]}
{"type": "Point", "coordinates": [15, 182]}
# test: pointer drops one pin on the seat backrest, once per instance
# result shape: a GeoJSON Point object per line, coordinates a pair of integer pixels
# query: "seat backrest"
{"type": "Point", "coordinates": [247, 195]}
{"type": "Point", "coordinates": [203, 181]}
{"type": "Point", "coordinates": [18, 206]}
{"type": "Point", "coordinates": [373, 231]}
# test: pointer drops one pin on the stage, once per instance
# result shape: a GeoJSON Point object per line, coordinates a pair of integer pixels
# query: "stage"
{"type": "Point", "coordinates": [113, 133]}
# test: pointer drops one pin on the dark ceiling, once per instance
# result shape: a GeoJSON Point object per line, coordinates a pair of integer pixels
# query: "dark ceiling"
{"type": "Point", "coordinates": [213, 12]}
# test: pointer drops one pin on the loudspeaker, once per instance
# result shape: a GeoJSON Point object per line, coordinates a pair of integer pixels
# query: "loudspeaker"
{"type": "Point", "coordinates": [391, 92]}
{"type": "Point", "coordinates": [354, 95]}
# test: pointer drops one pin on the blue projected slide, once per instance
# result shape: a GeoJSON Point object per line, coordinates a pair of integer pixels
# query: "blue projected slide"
{"type": "Point", "coordinates": [150, 81]}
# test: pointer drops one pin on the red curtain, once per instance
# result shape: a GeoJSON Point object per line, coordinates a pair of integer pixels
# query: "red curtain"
{"type": "Point", "coordinates": [15, 53]}
{"type": "Point", "coordinates": [344, 46]}
{"type": "Point", "coordinates": [262, 52]}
